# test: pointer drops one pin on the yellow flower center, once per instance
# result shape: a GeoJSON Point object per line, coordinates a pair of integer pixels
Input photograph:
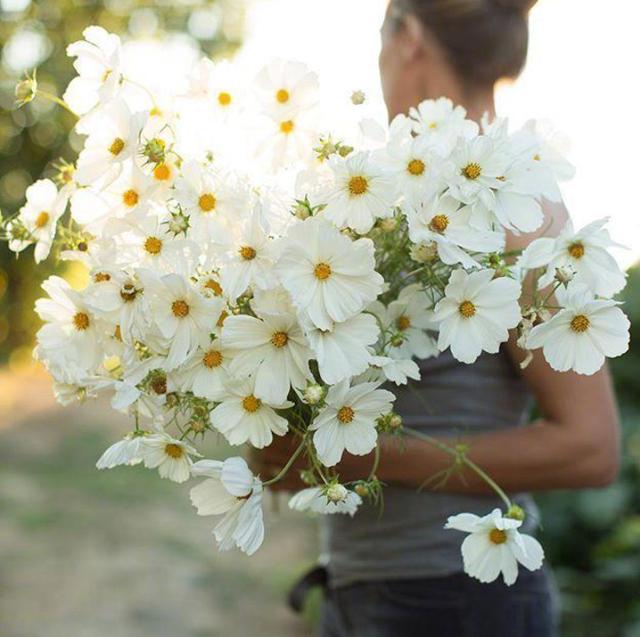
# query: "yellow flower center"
{"type": "Point", "coordinates": [99, 277]}
{"type": "Point", "coordinates": [155, 112]}
{"type": "Point", "coordinates": [174, 451]}
{"type": "Point", "coordinates": [576, 250]}
{"type": "Point", "coordinates": [287, 126]}
{"type": "Point", "coordinates": [128, 292]}
{"type": "Point", "coordinates": [439, 223]}
{"type": "Point", "coordinates": [207, 202]}
{"type": "Point", "coordinates": [282, 96]}
{"type": "Point", "coordinates": [467, 309]}
{"type": "Point", "coordinates": [403, 323]}
{"type": "Point", "coordinates": [162, 172]}
{"type": "Point", "coordinates": [415, 167]}
{"type": "Point", "coordinates": [212, 358]}
{"type": "Point", "coordinates": [214, 286]}
{"type": "Point", "coordinates": [117, 333]}
{"type": "Point", "coordinates": [433, 125]}
{"type": "Point", "coordinates": [222, 318]}
{"type": "Point", "coordinates": [497, 536]}
{"type": "Point", "coordinates": [322, 271]}
{"type": "Point", "coordinates": [180, 308]}
{"type": "Point", "coordinates": [153, 245]}
{"type": "Point", "coordinates": [247, 253]}
{"type": "Point", "coordinates": [580, 323]}
{"type": "Point", "coordinates": [42, 219]}
{"type": "Point", "coordinates": [536, 157]}
{"type": "Point", "coordinates": [117, 146]}
{"type": "Point", "coordinates": [358, 185]}
{"type": "Point", "coordinates": [159, 385]}
{"type": "Point", "coordinates": [251, 403]}
{"type": "Point", "coordinates": [472, 171]}
{"type": "Point", "coordinates": [345, 415]}
{"type": "Point", "coordinates": [81, 321]}
{"type": "Point", "coordinates": [130, 198]}
{"type": "Point", "coordinates": [279, 339]}
{"type": "Point", "coordinates": [224, 98]}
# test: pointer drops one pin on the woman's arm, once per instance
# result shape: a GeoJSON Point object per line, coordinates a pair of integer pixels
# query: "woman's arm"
{"type": "Point", "coordinates": [574, 444]}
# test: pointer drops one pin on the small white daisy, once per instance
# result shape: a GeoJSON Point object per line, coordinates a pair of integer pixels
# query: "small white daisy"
{"type": "Point", "coordinates": [316, 500]}
{"type": "Point", "coordinates": [170, 456]}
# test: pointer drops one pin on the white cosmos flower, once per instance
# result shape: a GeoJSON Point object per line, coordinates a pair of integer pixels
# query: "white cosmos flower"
{"type": "Point", "coordinates": [209, 200]}
{"type": "Point", "coordinates": [273, 349]}
{"type": "Point", "coordinates": [579, 336]}
{"type": "Point", "coordinates": [442, 123]}
{"type": "Point", "coordinates": [183, 316]}
{"type": "Point", "coordinates": [584, 251]}
{"type": "Point", "coordinates": [412, 162]}
{"type": "Point", "coordinates": [329, 277]}
{"type": "Point", "coordinates": [476, 313]}
{"type": "Point", "coordinates": [342, 351]}
{"type": "Point", "coordinates": [410, 315]}
{"type": "Point", "coordinates": [286, 88]}
{"type": "Point", "coordinates": [123, 452]}
{"type": "Point", "coordinates": [206, 373]}
{"type": "Point", "coordinates": [231, 490]}
{"type": "Point", "coordinates": [119, 299]}
{"type": "Point", "coordinates": [241, 416]}
{"type": "Point", "coordinates": [285, 141]}
{"type": "Point", "coordinates": [112, 140]}
{"type": "Point", "coordinates": [443, 220]}
{"type": "Point", "coordinates": [495, 546]}
{"type": "Point", "coordinates": [396, 370]}
{"type": "Point", "coordinates": [146, 241]}
{"type": "Point", "coordinates": [70, 336]}
{"type": "Point", "coordinates": [170, 456]}
{"type": "Point", "coordinates": [98, 66]}
{"type": "Point", "coordinates": [40, 214]}
{"type": "Point", "coordinates": [348, 422]}
{"type": "Point", "coordinates": [478, 167]}
{"type": "Point", "coordinates": [249, 257]}
{"type": "Point", "coordinates": [130, 192]}
{"type": "Point", "coordinates": [361, 192]}
{"type": "Point", "coordinates": [315, 499]}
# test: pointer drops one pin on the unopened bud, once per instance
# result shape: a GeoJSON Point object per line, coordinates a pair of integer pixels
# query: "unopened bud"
{"type": "Point", "coordinates": [564, 274]}
{"type": "Point", "coordinates": [336, 493]}
{"type": "Point", "coordinates": [358, 98]}
{"type": "Point", "coordinates": [389, 224]}
{"type": "Point", "coordinates": [395, 421]}
{"type": "Point", "coordinates": [515, 513]}
{"type": "Point", "coordinates": [362, 490]}
{"type": "Point", "coordinates": [26, 90]}
{"type": "Point", "coordinates": [344, 150]}
{"type": "Point", "coordinates": [313, 394]}
{"type": "Point", "coordinates": [197, 426]}
{"type": "Point", "coordinates": [424, 252]}
{"type": "Point", "coordinates": [301, 211]}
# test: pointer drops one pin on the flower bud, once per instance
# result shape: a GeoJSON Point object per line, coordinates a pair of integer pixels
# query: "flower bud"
{"type": "Point", "coordinates": [26, 90]}
{"type": "Point", "coordinates": [362, 490]}
{"type": "Point", "coordinates": [301, 211]}
{"type": "Point", "coordinates": [336, 492]}
{"type": "Point", "coordinates": [313, 394]}
{"type": "Point", "coordinates": [564, 274]}
{"type": "Point", "coordinates": [389, 224]}
{"type": "Point", "coordinates": [395, 421]}
{"type": "Point", "coordinates": [358, 98]}
{"type": "Point", "coordinates": [424, 252]}
{"type": "Point", "coordinates": [515, 512]}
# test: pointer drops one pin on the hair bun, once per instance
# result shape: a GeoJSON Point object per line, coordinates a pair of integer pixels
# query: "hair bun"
{"type": "Point", "coordinates": [520, 6]}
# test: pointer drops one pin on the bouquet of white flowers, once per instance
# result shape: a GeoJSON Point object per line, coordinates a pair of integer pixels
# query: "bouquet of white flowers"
{"type": "Point", "coordinates": [251, 273]}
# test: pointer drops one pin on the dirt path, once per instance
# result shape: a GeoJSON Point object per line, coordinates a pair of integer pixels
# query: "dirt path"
{"type": "Point", "coordinates": [121, 554]}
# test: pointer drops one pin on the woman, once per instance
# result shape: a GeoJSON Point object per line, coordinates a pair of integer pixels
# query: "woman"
{"type": "Point", "coordinates": [400, 574]}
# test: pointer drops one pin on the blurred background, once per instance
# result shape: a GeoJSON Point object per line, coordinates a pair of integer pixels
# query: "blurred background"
{"type": "Point", "coordinates": [88, 554]}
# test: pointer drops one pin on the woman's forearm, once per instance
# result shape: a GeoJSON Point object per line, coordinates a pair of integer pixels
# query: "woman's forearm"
{"type": "Point", "coordinates": [540, 456]}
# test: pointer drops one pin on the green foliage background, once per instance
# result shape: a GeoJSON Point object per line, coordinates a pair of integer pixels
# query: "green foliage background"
{"type": "Point", "coordinates": [592, 538]}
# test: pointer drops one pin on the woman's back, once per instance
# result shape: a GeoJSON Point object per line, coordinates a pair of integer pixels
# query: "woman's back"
{"type": "Point", "coordinates": [407, 538]}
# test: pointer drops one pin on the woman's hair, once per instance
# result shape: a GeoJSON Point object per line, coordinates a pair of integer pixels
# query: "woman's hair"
{"type": "Point", "coordinates": [484, 40]}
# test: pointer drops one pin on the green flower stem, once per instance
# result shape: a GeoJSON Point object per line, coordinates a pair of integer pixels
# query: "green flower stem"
{"type": "Point", "coordinates": [289, 464]}
{"type": "Point", "coordinates": [462, 458]}
{"type": "Point", "coordinates": [56, 100]}
{"type": "Point", "coordinates": [376, 463]}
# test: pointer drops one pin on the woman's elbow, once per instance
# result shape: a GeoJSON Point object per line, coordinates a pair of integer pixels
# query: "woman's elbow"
{"type": "Point", "coordinates": [601, 465]}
